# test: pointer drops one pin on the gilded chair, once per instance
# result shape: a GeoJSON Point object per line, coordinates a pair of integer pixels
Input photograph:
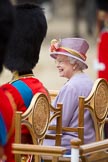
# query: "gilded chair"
{"type": "Point", "coordinates": [38, 150]}
{"type": "Point", "coordinates": [97, 104]}
{"type": "Point", "coordinates": [37, 119]}
{"type": "Point", "coordinates": [92, 152]}
{"type": "Point", "coordinates": [53, 94]}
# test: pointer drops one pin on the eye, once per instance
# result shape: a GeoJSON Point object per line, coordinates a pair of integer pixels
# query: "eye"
{"type": "Point", "coordinates": [59, 61]}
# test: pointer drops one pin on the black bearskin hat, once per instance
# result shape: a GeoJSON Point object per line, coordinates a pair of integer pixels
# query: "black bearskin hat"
{"type": "Point", "coordinates": [102, 5]}
{"type": "Point", "coordinates": [6, 26]}
{"type": "Point", "coordinates": [28, 34]}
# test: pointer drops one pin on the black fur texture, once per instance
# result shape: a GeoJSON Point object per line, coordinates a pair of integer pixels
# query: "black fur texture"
{"type": "Point", "coordinates": [6, 26]}
{"type": "Point", "coordinates": [28, 35]}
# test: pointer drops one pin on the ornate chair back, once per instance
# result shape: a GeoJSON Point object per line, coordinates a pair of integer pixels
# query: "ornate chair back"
{"type": "Point", "coordinates": [37, 118]}
{"type": "Point", "coordinates": [97, 104]}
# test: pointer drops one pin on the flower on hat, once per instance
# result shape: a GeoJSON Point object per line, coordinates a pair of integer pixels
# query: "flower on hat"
{"type": "Point", "coordinates": [55, 44]}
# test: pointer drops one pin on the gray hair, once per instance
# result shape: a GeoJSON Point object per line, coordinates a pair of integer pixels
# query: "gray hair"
{"type": "Point", "coordinates": [80, 65]}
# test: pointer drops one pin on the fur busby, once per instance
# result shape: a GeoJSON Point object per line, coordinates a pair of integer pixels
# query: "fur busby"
{"type": "Point", "coordinates": [28, 35]}
{"type": "Point", "coordinates": [6, 26]}
{"type": "Point", "coordinates": [102, 5]}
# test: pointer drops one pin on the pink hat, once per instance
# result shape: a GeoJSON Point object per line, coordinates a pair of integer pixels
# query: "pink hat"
{"type": "Point", "coordinates": [72, 47]}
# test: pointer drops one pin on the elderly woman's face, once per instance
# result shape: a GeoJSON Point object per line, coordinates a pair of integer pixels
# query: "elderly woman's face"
{"type": "Point", "coordinates": [64, 66]}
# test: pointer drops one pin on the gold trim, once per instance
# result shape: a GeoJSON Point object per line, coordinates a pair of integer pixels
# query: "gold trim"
{"type": "Point", "coordinates": [16, 76]}
{"type": "Point", "coordinates": [74, 53]}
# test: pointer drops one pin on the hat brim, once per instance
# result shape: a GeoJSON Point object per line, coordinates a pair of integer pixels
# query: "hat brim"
{"type": "Point", "coordinates": [53, 55]}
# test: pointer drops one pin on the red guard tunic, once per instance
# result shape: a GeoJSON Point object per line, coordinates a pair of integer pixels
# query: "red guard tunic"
{"type": "Point", "coordinates": [7, 111]}
{"type": "Point", "coordinates": [103, 55]}
{"type": "Point", "coordinates": [103, 62]}
{"type": "Point", "coordinates": [22, 91]}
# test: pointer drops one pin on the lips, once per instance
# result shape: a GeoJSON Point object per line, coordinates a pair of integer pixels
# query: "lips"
{"type": "Point", "coordinates": [60, 70]}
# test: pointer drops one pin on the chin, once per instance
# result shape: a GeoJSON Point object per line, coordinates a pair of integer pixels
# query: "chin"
{"type": "Point", "coordinates": [61, 75]}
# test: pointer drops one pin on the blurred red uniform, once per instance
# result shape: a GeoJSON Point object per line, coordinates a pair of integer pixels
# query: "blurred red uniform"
{"type": "Point", "coordinates": [103, 55]}
{"type": "Point", "coordinates": [103, 62]}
